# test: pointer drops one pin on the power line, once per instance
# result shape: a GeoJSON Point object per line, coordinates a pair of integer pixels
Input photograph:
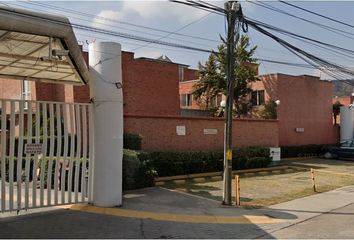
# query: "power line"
{"type": "Point", "coordinates": [331, 29]}
{"type": "Point", "coordinates": [105, 32]}
{"type": "Point", "coordinates": [117, 21]}
{"type": "Point", "coordinates": [179, 29]}
{"type": "Point", "coordinates": [331, 69]}
{"type": "Point", "coordinates": [268, 26]}
{"type": "Point", "coordinates": [104, 24]}
{"type": "Point", "coordinates": [317, 14]}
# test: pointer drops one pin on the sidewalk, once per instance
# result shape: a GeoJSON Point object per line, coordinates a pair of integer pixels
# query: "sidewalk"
{"type": "Point", "coordinates": [161, 213]}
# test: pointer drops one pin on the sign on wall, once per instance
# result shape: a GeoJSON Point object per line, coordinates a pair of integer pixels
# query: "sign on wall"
{"type": "Point", "coordinates": [210, 131]}
{"type": "Point", "coordinates": [181, 130]}
{"type": "Point", "coordinates": [300, 130]}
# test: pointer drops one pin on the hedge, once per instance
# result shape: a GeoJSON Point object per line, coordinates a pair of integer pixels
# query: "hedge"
{"type": "Point", "coordinates": [7, 169]}
{"type": "Point", "coordinates": [132, 141]}
{"type": "Point", "coordinates": [304, 150]}
{"type": "Point", "coordinates": [182, 163]}
{"type": "Point", "coordinates": [137, 173]}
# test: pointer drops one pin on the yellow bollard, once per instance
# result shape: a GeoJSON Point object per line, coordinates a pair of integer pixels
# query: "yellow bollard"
{"type": "Point", "coordinates": [237, 190]}
{"type": "Point", "coordinates": [313, 179]}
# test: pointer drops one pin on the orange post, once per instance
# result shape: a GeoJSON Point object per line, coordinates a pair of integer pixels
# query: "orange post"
{"type": "Point", "coordinates": [313, 179]}
{"type": "Point", "coordinates": [237, 190]}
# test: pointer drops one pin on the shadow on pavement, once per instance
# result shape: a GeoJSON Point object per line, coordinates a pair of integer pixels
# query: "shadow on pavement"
{"type": "Point", "coordinates": [79, 224]}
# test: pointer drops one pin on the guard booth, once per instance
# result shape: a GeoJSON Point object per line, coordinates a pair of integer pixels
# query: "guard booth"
{"type": "Point", "coordinates": [48, 148]}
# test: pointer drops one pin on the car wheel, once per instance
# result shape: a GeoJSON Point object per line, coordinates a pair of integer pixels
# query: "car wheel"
{"type": "Point", "coordinates": [328, 155]}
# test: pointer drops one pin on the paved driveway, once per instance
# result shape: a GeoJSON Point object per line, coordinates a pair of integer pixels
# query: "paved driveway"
{"type": "Point", "coordinates": [161, 213]}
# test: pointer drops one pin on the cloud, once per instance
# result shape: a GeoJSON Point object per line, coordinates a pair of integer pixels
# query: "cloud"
{"type": "Point", "coordinates": [152, 10]}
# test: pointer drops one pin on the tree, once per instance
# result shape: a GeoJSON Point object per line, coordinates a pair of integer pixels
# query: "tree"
{"type": "Point", "coordinates": [336, 110]}
{"type": "Point", "coordinates": [208, 85]}
{"type": "Point", "coordinates": [213, 76]}
{"type": "Point", "coordinates": [268, 110]}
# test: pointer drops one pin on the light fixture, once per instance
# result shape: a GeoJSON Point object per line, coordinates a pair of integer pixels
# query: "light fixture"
{"type": "Point", "coordinates": [223, 104]}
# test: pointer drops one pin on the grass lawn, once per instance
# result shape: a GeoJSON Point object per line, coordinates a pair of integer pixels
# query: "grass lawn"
{"type": "Point", "coordinates": [264, 189]}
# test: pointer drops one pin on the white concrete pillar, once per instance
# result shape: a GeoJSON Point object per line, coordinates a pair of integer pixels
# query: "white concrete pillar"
{"type": "Point", "coordinates": [346, 123]}
{"type": "Point", "coordinates": [105, 90]}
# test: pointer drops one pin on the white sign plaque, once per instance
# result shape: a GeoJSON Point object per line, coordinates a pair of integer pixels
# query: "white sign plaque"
{"type": "Point", "coordinates": [33, 148]}
{"type": "Point", "coordinates": [181, 130]}
{"type": "Point", "coordinates": [300, 130]}
{"type": "Point", "coordinates": [210, 131]}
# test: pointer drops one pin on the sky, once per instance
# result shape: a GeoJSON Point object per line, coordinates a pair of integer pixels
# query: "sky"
{"type": "Point", "coordinates": [174, 17]}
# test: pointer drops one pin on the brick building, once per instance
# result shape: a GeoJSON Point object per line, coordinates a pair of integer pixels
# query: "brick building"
{"type": "Point", "coordinates": [151, 95]}
{"type": "Point", "coordinates": [305, 110]}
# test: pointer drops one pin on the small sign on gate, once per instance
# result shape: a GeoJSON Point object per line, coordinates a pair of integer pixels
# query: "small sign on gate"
{"type": "Point", "coordinates": [33, 148]}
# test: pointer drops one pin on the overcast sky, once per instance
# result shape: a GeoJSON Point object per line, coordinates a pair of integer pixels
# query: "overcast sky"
{"type": "Point", "coordinates": [172, 17]}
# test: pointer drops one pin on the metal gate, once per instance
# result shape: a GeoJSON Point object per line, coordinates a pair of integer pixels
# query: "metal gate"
{"type": "Point", "coordinates": [45, 154]}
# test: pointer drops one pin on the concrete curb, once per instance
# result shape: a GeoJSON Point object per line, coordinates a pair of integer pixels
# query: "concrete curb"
{"type": "Point", "coordinates": [217, 176]}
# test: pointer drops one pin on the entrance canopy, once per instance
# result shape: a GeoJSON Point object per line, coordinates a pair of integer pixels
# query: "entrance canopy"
{"type": "Point", "coordinates": [42, 47]}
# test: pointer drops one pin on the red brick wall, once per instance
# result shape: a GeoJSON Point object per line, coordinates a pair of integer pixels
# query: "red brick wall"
{"type": "Point", "coordinates": [10, 89]}
{"type": "Point", "coordinates": [149, 87]}
{"type": "Point", "coordinates": [159, 133]}
{"type": "Point", "coordinates": [305, 102]}
{"type": "Point", "coordinates": [189, 74]}
{"type": "Point", "coordinates": [54, 92]}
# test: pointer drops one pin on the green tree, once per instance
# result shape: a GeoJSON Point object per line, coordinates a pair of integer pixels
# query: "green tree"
{"type": "Point", "coordinates": [336, 110]}
{"type": "Point", "coordinates": [268, 110]}
{"type": "Point", "coordinates": [213, 76]}
{"type": "Point", "coordinates": [207, 87]}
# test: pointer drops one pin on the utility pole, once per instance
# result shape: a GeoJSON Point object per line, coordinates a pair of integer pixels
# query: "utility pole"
{"type": "Point", "coordinates": [232, 9]}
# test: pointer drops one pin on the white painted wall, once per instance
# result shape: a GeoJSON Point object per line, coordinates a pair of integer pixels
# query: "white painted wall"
{"type": "Point", "coordinates": [106, 70]}
{"type": "Point", "coordinates": [346, 123]}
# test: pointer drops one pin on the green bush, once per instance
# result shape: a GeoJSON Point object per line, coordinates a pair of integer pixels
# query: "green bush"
{"type": "Point", "coordinates": [251, 157]}
{"type": "Point", "coordinates": [137, 172]}
{"type": "Point", "coordinates": [23, 167]}
{"type": "Point", "coordinates": [132, 141]}
{"type": "Point", "coordinates": [182, 163]}
{"type": "Point", "coordinates": [304, 150]}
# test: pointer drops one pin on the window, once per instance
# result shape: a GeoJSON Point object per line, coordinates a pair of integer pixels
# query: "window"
{"type": "Point", "coordinates": [257, 98]}
{"type": "Point", "coordinates": [186, 100]}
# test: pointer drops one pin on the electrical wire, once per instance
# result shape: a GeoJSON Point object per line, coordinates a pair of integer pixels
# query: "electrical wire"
{"type": "Point", "coordinates": [105, 32]}
{"type": "Point", "coordinates": [323, 26]}
{"type": "Point", "coordinates": [65, 10]}
{"type": "Point", "coordinates": [318, 14]}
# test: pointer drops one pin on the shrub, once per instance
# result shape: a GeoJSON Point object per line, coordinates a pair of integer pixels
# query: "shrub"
{"type": "Point", "coordinates": [132, 141]}
{"type": "Point", "coordinates": [182, 163]}
{"type": "Point", "coordinates": [15, 162]}
{"type": "Point", "coordinates": [137, 172]}
{"type": "Point", "coordinates": [304, 150]}
{"type": "Point", "coordinates": [251, 157]}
